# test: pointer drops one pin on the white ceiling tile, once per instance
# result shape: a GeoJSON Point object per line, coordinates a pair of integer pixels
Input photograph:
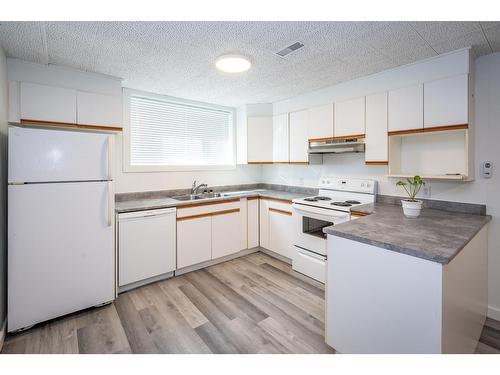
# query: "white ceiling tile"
{"type": "Point", "coordinates": [475, 39]}
{"type": "Point", "coordinates": [493, 36]}
{"type": "Point", "coordinates": [177, 58]}
{"type": "Point", "coordinates": [436, 32]}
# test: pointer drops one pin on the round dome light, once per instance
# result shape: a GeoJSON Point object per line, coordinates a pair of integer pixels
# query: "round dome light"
{"type": "Point", "coordinates": [233, 63]}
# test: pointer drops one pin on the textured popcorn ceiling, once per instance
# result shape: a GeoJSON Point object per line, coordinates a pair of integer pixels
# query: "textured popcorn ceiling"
{"type": "Point", "coordinates": [177, 58]}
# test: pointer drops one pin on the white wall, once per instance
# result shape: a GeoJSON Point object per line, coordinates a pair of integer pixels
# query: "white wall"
{"type": "Point", "coordinates": [487, 124]}
{"type": "Point", "coordinates": [3, 189]}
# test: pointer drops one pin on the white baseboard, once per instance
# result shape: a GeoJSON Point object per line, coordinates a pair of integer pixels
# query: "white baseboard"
{"type": "Point", "coordinates": [493, 313]}
{"type": "Point", "coordinates": [3, 331]}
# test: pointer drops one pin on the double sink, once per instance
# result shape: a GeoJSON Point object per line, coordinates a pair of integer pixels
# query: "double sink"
{"type": "Point", "coordinates": [194, 197]}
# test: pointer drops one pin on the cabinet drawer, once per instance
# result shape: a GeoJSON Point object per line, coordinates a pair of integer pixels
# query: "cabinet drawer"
{"type": "Point", "coordinates": [207, 207]}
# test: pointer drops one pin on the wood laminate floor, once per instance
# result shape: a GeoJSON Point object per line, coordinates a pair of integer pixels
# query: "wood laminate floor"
{"type": "Point", "coordinates": [253, 304]}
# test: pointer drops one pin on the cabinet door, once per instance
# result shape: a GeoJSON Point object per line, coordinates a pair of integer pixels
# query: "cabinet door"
{"type": "Point", "coordinates": [253, 222]}
{"type": "Point", "coordinates": [320, 123]}
{"type": "Point", "coordinates": [280, 232]}
{"type": "Point", "coordinates": [376, 128]}
{"type": "Point", "coordinates": [406, 108]}
{"type": "Point", "coordinates": [260, 139]}
{"type": "Point", "coordinates": [47, 103]}
{"type": "Point", "coordinates": [298, 137]}
{"type": "Point", "coordinates": [194, 241]}
{"type": "Point", "coordinates": [281, 139]}
{"type": "Point", "coordinates": [226, 234]}
{"type": "Point", "coordinates": [146, 245]}
{"type": "Point", "coordinates": [350, 117]}
{"type": "Point", "coordinates": [98, 109]}
{"type": "Point", "coordinates": [264, 223]}
{"type": "Point", "coordinates": [446, 102]}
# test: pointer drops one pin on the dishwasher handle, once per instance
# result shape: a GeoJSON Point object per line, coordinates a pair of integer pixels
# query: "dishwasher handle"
{"type": "Point", "coordinates": [147, 213]}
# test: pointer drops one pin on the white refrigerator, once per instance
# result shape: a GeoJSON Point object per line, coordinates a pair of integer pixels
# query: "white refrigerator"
{"type": "Point", "coordinates": [61, 255]}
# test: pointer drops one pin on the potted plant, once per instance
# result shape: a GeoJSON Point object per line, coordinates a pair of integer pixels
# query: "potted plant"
{"type": "Point", "coordinates": [412, 206]}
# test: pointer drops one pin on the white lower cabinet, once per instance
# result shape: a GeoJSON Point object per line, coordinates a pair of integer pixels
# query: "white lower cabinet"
{"type": "Point", "coordinates": [210, 231]}
{"type": "Point", "coordinates": [276, 227]}
{"type": "Point", "coordinates": [264, 223]}
{"type": "Point", "coordinates": [194, 240]}
{"type": "Point", "coordinates": [226, 234]}
{"type": "Point", "coordinates": [253, 222]}
{"type": "Point", "coordinates": [280, 236]}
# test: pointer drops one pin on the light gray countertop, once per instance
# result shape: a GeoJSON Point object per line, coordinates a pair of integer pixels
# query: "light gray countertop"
{"type": "Point", "coordinates": [155, 203]}
{"type": "Point", "coordinates": [436, 235]}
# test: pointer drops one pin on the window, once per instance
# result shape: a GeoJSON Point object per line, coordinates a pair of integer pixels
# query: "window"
{"type": "Point", "coordinates": [165, 132]}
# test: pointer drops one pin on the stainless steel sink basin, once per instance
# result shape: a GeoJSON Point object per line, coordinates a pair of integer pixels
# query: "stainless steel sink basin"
{"type": "Point", "coordinates": [192, 197]}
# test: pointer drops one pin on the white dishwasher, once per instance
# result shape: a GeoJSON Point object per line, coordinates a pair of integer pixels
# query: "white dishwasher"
{"type": "Point", "coordinates": [146, 246]}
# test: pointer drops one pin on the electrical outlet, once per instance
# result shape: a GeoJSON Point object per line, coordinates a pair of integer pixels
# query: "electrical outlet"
{"type": "Point", "coordinates": [425, 192]}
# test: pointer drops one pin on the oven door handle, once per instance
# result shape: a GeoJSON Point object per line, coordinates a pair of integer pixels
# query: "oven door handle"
{"type": "Point", "coordinates": [321, 211]}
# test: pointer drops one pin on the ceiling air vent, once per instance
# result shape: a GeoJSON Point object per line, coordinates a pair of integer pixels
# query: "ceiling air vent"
{"type": "Point", "coordinates": [291, 48]}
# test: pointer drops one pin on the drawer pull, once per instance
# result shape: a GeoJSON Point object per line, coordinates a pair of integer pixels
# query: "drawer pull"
{"type": "Point", "coordinates": [280, 211]}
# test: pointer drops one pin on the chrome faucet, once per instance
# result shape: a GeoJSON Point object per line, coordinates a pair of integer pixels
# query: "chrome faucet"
{"type": "Point", "coordinates": [195, 188]}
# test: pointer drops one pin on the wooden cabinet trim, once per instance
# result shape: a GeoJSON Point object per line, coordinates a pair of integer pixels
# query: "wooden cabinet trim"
{"type": "Point", "coordinates": [280, 162]}
{"type": "Point", "coordinates": [429, 130]}
{"type": "Point", "coordinates": [338, 138]}
{"type": "Point", "coordinates": [252, 198]}
{"type": "Point", "coordinates": [376, 162]}
{"type": "Point", "coordinates": [276, 199]}
{"type": "Point", "coordinates": [207, 203]}
{"type": "Point", "coordinates": [360, 214]}
{"type": "Point", "coordinates": [69, 125]}
{"type": "Point", "coordinates": [216, 213]}
{"type": "Point", "coordinates": [283, 212]}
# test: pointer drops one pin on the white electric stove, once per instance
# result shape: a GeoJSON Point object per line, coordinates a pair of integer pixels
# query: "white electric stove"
{"type": "Point", "coordinates": [333, 205]}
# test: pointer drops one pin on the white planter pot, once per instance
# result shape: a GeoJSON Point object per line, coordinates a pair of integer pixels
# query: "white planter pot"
{"type": "Point", "coordinates": [411, 209]}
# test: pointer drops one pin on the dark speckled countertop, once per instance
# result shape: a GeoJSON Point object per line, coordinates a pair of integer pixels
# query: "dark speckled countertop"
{"type": "Point", "coordinates": [436, 235]}
{"type": "Point", "coordinates": [155, 203]}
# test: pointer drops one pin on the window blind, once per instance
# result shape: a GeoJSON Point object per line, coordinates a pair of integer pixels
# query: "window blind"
{"type": "Point", "coordinates": [176, 134]}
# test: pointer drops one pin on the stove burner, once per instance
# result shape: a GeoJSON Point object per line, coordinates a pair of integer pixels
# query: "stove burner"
{"type": "Point", "coordinates": [341, 204]}
{"type": "Point", "coordinates": [353, 202]}
{"type": "Point", "coordinates": [316, 199]}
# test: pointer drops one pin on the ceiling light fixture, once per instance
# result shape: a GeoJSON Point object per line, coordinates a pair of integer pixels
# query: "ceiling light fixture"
{"type": "Point", "coordinates": [233, 63]}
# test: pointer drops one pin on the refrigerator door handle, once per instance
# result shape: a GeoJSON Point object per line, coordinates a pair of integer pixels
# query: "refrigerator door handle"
{"type": "Point", "coordinates": [110, 157]}
{"type": "Point", "coordinates": [110, 203]}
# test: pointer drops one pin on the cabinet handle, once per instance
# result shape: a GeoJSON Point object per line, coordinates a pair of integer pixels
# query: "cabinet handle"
{"type": "Point", "coordinates": [280, 211]}
{"type": "Point", "coordinates": [110, 157]}
{"type": "Point", "coordinates": [110, 203]}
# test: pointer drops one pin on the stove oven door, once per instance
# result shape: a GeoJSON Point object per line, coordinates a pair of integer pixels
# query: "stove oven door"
{"type": "Point", "coordinates": [309, 226]}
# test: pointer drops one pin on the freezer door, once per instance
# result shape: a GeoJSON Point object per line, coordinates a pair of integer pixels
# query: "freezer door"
{"type": "Point", "coordinates": [61, 250]}
{"type": "Point", "coordinates": [46, 155]}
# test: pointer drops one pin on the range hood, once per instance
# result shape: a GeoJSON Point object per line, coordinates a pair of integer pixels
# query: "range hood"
{"type": "Point", "coordinates": [340, 146]}
{"type": "Point", "coordinates": [337, 146]}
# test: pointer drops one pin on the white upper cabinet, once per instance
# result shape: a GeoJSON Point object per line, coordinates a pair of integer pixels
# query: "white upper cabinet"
{"type": "Point", "coordinates": [99, 109]}
{"type": "Point", "coordinates": [406, 108]}
{"type": "Point", "coordinates": [446, 102]}
{"type": "Point", "coordinates": [376, 128]}
{"type": "Point", "coordinates": [298, 136]}
{"type": "Point", "coordinates": [47, 103]}
{"type": "Point", "coordinates": [350, 117]}
{"type": "Point", "coordinates": [281, 140]}
{"type": "Point", "coordinates": [320, 123]}
{"type": "Point", "coordinates": [260, 139]}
